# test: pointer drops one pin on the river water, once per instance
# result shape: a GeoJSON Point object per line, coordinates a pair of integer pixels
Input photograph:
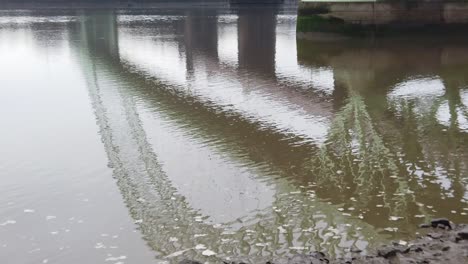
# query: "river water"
{"type": "Point", "coordinates": [207, 134]}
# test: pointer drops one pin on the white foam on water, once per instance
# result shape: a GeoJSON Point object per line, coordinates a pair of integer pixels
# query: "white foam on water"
{"type": "Point", "coordinates": [8, 222]}
{"type": "Point", "coordinates": [208, 253]}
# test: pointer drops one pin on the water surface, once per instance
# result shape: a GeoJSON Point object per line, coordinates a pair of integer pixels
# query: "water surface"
{"type": "Point", "coordinates": [151, 137]}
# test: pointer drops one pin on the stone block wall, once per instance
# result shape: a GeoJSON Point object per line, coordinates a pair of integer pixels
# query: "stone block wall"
{"type": "Point", "coordinates": [389, 12]}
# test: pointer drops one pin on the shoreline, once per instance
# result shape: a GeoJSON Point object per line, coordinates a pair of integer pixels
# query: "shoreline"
{"type": "Point", "coordinates": [369, 18]}
{"type": "Point", "coordinates": [444, 242]}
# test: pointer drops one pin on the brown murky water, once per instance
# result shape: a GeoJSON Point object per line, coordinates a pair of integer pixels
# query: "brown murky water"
{"type": "Point", "coordinates": [151, 137]}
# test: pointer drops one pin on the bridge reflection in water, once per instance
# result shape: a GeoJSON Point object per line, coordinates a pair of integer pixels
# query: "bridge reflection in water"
{"type": "Point", "coordinates": [237, 148]}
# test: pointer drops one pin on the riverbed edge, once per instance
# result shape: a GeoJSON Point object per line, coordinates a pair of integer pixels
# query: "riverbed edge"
{"type": "Point", "coordinates": [443, 242]}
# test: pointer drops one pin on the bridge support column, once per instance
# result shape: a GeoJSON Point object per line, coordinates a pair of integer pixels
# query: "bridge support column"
{"type": "Point", "coordinates": [356, 17]}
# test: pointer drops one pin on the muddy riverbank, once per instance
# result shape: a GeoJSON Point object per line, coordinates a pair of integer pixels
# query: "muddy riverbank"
{"type": "Point", "coordinates": [442, 242]}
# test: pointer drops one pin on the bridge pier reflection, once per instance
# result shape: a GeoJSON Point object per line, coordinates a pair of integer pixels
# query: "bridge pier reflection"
{"type": "Point", "coordinates": [257, 40]}
{"type": "Point", "coordinates": [190, 95]}
{"type": "Point", "coordinates": [168, 220]}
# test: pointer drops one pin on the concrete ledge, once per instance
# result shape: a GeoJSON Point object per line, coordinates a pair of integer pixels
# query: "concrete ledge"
{"type": "Point", "coordinates": [382, 14]}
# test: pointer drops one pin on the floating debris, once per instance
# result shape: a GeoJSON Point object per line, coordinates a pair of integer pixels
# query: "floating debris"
{"type": "Point", "coordinates": [34, 250]}
{"type": "Point", "coordinates": [297, 248]}
{"type": "Point", "coordinates": [177, 253]}
{"type": "Point", "coordinates": [200, 247]}
{"type": "Point", "coordinates": [99, 245]}
{"type": "Point", "coordinates": [208, 253]}
{"type": "Point", "coordinates": [116, 258]}
{"type": "Point", "coordinates": [281, 229]}
{"type": "Point", "coordinates": [8, 222]}
{"type": "Point", "coordinates": [28, 210]}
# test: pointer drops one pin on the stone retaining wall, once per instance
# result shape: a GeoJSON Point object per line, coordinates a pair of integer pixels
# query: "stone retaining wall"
{"type": "Point", "coordinates": [397, 14]}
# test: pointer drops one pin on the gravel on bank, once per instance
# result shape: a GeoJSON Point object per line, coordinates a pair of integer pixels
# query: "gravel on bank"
{"type": "Point", "coordinates": [444, 242]}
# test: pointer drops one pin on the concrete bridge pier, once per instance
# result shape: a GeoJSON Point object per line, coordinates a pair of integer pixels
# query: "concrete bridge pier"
{"type": "Point", "coordinates": [355, 17]}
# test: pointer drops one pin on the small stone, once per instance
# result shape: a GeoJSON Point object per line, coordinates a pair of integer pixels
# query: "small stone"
{"type": "Point", "coordinates": [303, 259]}
{"type": "Point", "coordinates": [441, 221]}
{"type": "Point", "coordinates": [424, 225]}
{"type": "Point", "coordinates": [463, 234]}
{"type": "Point", "coordinates": [387, 252]}
{"type": "Point", "coordinates": [434, 235]}
{"type": "Point", "coordinates": [416, 248]}
{"type": "Point", "coordinates": [402, 242]}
